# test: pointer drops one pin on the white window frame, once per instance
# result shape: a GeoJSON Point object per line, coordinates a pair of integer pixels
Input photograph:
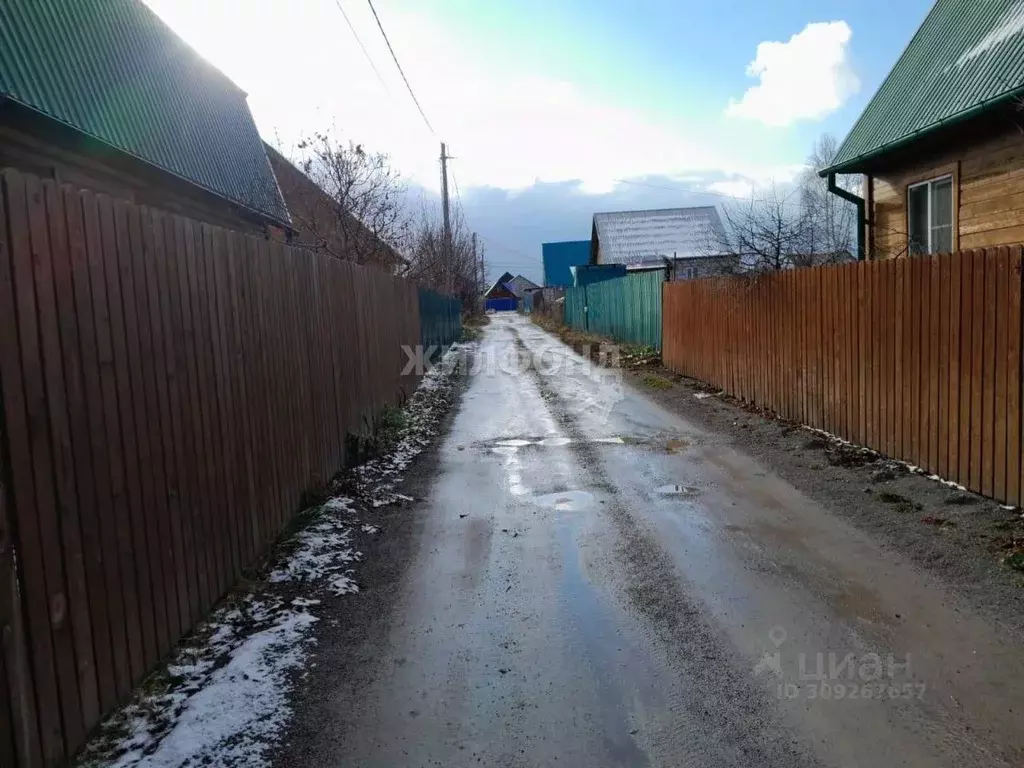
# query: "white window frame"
{"type": "Point", "coordinates": [952, 210]}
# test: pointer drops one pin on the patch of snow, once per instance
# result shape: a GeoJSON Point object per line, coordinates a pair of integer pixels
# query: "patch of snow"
{"type": "Point", "coordinates": [948, 483]}
{"type": "Point", "coordinates": [343, 584]}
{"type": "Point", "coordinates": [702, 395]}
{"type": "Point", "coordinates": [1011, 24]}
{"type": "Point", "coordinates": [322, 549]}
{"type": "Point", "coordinates": [367, 528]}
{"type": "Point", "coordinates": [240, 710]}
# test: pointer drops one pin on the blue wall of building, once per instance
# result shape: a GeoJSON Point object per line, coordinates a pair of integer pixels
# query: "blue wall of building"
{"type": "Point", "coordinates": [558, 257]}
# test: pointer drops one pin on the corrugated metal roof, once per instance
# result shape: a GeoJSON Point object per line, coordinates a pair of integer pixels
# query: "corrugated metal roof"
{"type": "Point", "coordinates": [113, 70]}
{"type": "Point", "coordinates": [631, 237]}
{"type": "Point", "coordinates": [966, 55]}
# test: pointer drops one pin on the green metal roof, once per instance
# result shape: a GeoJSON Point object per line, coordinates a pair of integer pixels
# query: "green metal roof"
{"type": "Point", "coordinates": [113, 70]}
{"type": "Point", "coordinates": [967, 55]}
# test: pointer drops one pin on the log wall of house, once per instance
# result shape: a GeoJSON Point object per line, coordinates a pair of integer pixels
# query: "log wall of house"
{"type": "Point", "coordinates": [988, 194]}
{"type": "Point", "coordinates": [51, 157]}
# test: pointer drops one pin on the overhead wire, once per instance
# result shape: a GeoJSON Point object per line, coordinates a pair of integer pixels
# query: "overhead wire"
{"type": "Point", "coordinates": [363, 47]}
{"type": "Point", "coordinates": [400, 70]}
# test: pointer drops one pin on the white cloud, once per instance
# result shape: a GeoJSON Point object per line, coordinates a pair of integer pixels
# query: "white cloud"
{"type": "Point", "coordinates": [507, 127]}
{"type": "Point", "coordinates": [806, 78]}
{"type": "Point", "coordinates": [747, 182]}
{"type": "Point", "coordinates": [732, 187]}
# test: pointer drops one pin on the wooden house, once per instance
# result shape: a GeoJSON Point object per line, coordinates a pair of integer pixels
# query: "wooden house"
{"type": "Point", "coordinates": [941, 144]}
{"type": "Point", "coordinates": [102, 94]}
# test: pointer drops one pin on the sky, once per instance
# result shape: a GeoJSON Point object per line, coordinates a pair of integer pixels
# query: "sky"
{"type": "Point", "coordinates": [557, 109]}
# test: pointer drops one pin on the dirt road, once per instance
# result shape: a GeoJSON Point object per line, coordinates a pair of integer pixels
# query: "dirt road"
{"type": "Point", "coordinates": [592, 581]}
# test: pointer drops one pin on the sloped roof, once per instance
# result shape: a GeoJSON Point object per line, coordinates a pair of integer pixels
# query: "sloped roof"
{"type": "Point", "coordinates": [114, 71]}
{"type": "Point", "coordinates": [503, 281]}
{"type": "Point", "coordinates": [520, 285]}
{"type": "Point", "coordinates": [629, 237]}
{"type": "Point", "coordinates": [966, 56]}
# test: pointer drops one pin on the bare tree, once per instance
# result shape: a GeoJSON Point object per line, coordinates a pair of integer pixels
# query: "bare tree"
{"type": "Point", "coordinates": [361, 211]}
{"type": "Point", "coordinates": [830, 222]}
{"type": "Point", "coordinates": [432, 263]}
{"type": "Point", "coordinates": [764, 234]}
{"type": "Point", "coordinates": [805, 226]}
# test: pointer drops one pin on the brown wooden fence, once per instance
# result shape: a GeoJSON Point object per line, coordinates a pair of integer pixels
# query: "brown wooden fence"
{"type": "Point", "coordinates": [918, 358]}
{"type": "Point", "coordinates": [169, 391]}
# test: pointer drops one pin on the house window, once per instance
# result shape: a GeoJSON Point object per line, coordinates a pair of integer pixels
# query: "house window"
{"type": "Point", "coordinates": [930, 215]}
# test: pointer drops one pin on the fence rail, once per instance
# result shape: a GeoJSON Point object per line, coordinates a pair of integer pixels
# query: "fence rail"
{"type": "Point", "coordinates": [918, 358]}
{"type": "Point", "coordinates": [170, 390]}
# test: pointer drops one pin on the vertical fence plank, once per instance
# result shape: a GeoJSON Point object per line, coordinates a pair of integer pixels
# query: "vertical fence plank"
{"type": "Point", "coordinates": [148, 260]}
{"type": "Point", "coordinates": [925, 330]}
{"type": "Point", "coordinates": [936, 367]}
{"type": "Point", "coordinates": [169, 264]}
{"type": "Point", "coordinates": [78, 343]}
{"type": "Point", "coordinates": [865, 318]}
{"type": "Point", "coordinates": [899, 267]}
{"type": "Point", "coordinates": [988, 378]}
{"type": "Point", "coordinates": [150, 429]}
{"type": "Point", "coordinates": [50, 262]}
{"type": "Point", "coordinates": [977, 370]}
{"type": "Point", "coordinates": [1013, 378]}
{"type": "Point", "coordinates": [235, 292]}
{"type": "Point", "coordinates": [25, 645]}
{"type": "Point", "coordinates": [138, 448]}
{"type": "Point", "coordinates": [968, 311]}
{"type": "Point", "coordinates": [846, 347]}
{"type": "Point", "coordinates": [22, 389]}
{"type": "Point", "coordinates": [1003, 320]}
{"type": "Point", "coordinates": [191, 415]}
{"type": "Point", "coordinates": [945, 321]}
{"type": "Point", "coordinates": [885, 313]}
{"type": "Point", "coordinates": [953, 355]}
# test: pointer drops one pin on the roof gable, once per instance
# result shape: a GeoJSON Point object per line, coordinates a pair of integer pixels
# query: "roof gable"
{"type": "Point", "coordinates": [630, 237]}
{"type": "Point", "coordinates": [967, 55]}
{"type": "Point", "coordinates": [114, 71]}
{"type": "Point", "coordinates": [520, 285]}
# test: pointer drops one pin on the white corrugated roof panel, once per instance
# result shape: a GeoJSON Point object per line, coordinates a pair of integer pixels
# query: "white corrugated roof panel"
{"type": "Point", "coordinates": [630, 237]}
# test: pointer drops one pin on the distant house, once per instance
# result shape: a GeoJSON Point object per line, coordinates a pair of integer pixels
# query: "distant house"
{"type": "Point", "coordinates": [646, 239]}
{"type": "Point", "coordinates": [941, 144]}
{"type": "Point", "coordinates": [102, 94]}
{"type": "Point", "coordinates": [560, 257]}
{"type": "Point", "coordinates": [316, 224]}
{"type": "Point", "coordinates": [507, 292]}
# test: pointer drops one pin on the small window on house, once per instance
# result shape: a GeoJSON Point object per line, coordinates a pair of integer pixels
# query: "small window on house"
{"type": "Point", "coordinates": [930, 214]}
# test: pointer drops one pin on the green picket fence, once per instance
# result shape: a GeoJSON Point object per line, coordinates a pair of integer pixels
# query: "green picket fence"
{"type": "Point", "coordinates": [627, 309]}
{"type": "Point", "coordinates": [440, 319]}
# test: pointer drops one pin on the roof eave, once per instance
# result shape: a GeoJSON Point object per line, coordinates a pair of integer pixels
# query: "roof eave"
{"type": "Point", "coordinates": [266, 216]}
{"type": "Point", "coordinates": [857, 164]}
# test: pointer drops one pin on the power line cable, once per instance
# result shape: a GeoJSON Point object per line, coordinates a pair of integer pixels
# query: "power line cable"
{"type": "Point", "coordinates": [365, 52]}
{"type": "Point", "coordinates": [400, 70]}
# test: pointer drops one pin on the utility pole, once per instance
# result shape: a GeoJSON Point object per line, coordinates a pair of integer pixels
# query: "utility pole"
{"type": "Point", "coordinates": [447, 246]}
{"type": "Point", "coordinates": [478, 281]}
{"type": "Point", "coordinates": [483, 271]}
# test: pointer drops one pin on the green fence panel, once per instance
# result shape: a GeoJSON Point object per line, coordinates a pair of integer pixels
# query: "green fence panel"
{"type": "Point", "coordinates": [440, 319]}
{"type": "Point", "coordinates": [576, 308]}
{"type": "Point", "coordinates": [627, 309]}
